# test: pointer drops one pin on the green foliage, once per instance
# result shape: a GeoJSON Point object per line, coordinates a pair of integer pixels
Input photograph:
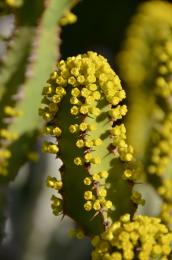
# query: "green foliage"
{"type": "Point", "coordinates": [28, 63]}
{"type": "Point", "coordinates": [31, 55]}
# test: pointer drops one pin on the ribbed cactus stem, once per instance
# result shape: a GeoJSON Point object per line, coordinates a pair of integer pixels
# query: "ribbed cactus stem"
{"type": "Point", "coordinates": [149, 81]}
{"type": "Point", "coordinates": [22, 76]}
{"type": "Point", "coordinates": [149, 26]}
{"type": "Point", "coordinates": [83, 112]}
{"type": "Point", "coordinates": [160, 152]}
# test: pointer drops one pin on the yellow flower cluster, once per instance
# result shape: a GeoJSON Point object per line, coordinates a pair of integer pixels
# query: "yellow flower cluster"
{"type": "Point", "coordinates": [119, 141]}
{"type": "Point", "coordinates": [68, 18]}
{"type": "Point", "coordinates": [49, 147]}
{"type": "Point", "coordinates": [12, 112]}
{"type": "Point", "coordinates": [163, 87]}
{"type": "Point", "coordinates": [161, 153]}
{"type": "Point", "coordinates": [150, 25]}
{"type": "Point", "coordinates": [165, 191]}
{"type": "Point", "coordinates": [6, 138]}
{"type": "Point", "coordinates": [6, 134]}
{"type": "Point", "coordinates": [142, 238]}
{"type": "Point", "coordinates": [137, 198]}
{"type": "Point", "coordinates": [5, 154]}
{"type": "Point", "coordinates": [166, 213]}
{"type": "Point", "coordinates": [86, 81]}
{"type": "Point", "coordinates": [76, 233]}
{"type": "Point", "coordinates": [56, 205]}
{"type": "Point", "coordinates": [161, 150]}
{"type": "Point", "coordinates": [52, 182]}
{"type": "Point", "coordinates": [162, 143]}
{"type": "Point", "coordinates": [148, 79]}
{"type": "Point", "coordinates": [138, 60]}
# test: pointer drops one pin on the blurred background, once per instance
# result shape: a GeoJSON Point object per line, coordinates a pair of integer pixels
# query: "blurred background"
{"type": "Point", "coordinates": [32, 232]}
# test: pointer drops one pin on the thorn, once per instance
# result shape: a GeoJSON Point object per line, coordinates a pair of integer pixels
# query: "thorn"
{"type": "Point", "coordinates": [19, 95]}
{"type": "Point", "coordinates": [90, 117]}
{"type": "Point", "coordinates": [137, 182]}
{"type": "Point", "coordinates": [106, 224]}
{"type": "Point", "coordinates": [86, 134]}
{"type": "Point", "coordinates": [87, 165]}
{"type": "Point", "coordinates": [63, 215]}
{"type": "Point", "coordinates": [61, 168]}
{"type": "Point", "coordinates": [95, 215]}
{"type": "Point", "coordinates": [8, 120]}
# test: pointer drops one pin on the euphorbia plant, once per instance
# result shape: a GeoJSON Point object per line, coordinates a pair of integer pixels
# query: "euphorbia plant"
{"type": "Point", "coordinates": [83, 108]}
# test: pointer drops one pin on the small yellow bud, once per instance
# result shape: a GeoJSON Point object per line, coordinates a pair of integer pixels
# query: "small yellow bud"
{"type": "Point", "coordinates": [80, 143]}
{"type": "Point", "coordinates": [87, 181]}
{"type": "Point", "coordinates": [74, 110]}
{"type": "Point", "coordinates": [125, 218]}
{"type": "Point", "coordinates": [96, 160]}
{"type": "Point", "coordinates": [84, 109]}
{"type": "Point", "coordinates": [68, 18]}
{"type": "Point", "coordinates": [88, 157]}
{"type": "Point", "coordinates": [95, 111]}
{"type": "Point", "coordinates": [96, 205]}
{"type": "Point", "coordinates": [52, 182]}
{"type": "Point", "coordinates": [74, 101]}
{"type": "Point", "coordinates": [102, 192]}
{"type": "Point", "coordinates": [73, 128]}
{"type": "Point", "coordinates": [80, 79]}
{"type": "Point", "coordinates": [89, 143]}
{"type": "Point", "coordinates": [47, 90]}
{"type": "Point", "coordinates": [72, 81]}
{"type": "Point", "coordinates": [85, 92]}
{"type": "Point", "coordinates": [128, 174]}
{"type": "Point", "coordinates": [75, 92]}
{"type": "Point", "coordinates": [33, 156]}
{"type": "Point", "coordinates": [79, 234]}
{"type": "Point", "coordinates": [96, 95]}
{"type": "Point", "coordinates": [137, 198]}
{"type": "Point", "coordinates": [95, 241]}
{"type": "Point", "coordinates": [10, 111]}
{"type": "Point", "coordinates": [128, 157]}
{"type": "Point", "coordinates": [92, 127]}
{"type": "Point", "coordinates": [57, 131]}
{"type": "Point", "coordinates": [97, 142]}
{"type": "Point", "coordinates": [50, 148]}
{"type": "Point", "coordinates": [60, 91]}
{"type": "Point", "coordinates": [56, 99]}
{"type": "Point", "coordinates": [88, 195]}
{"type": "Point", "coordinates": [83, 126]}
{"type": "Point", "coordinates": [92, 87]}
{"type": "Point", "coordinates": [104, 174]}
{"type": "Point", "coordinates": [75, 72]}
{"type": "Point", "coordinates": [78, 161]}
{"type": "Point", "coordinates": [108, 204]}
{"type": "Point", "coordinates": [88, 206]}
{"type": "Point", "coordinates": [96, 177]}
